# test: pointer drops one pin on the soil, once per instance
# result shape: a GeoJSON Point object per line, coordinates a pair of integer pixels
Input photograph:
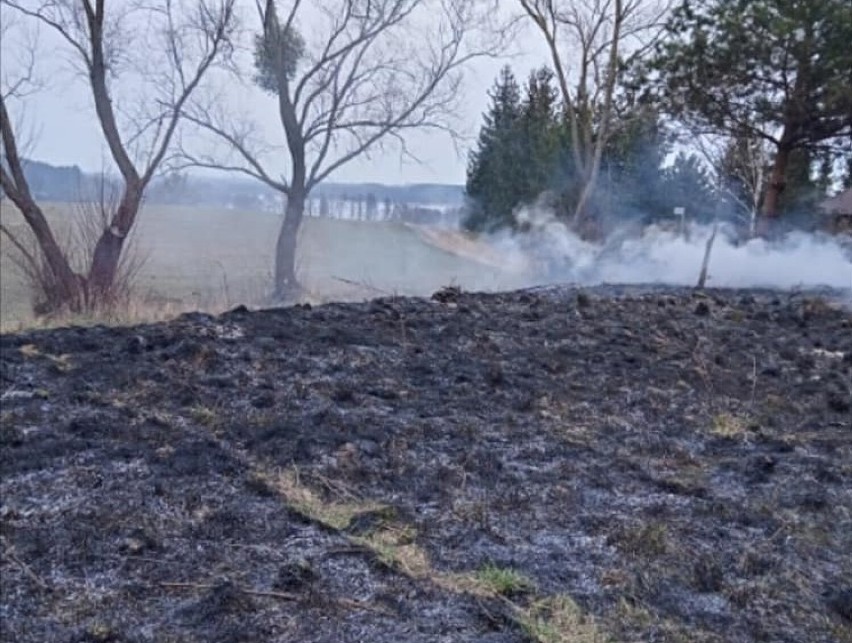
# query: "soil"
{"type": "Point", "coordinates": [635, 464]}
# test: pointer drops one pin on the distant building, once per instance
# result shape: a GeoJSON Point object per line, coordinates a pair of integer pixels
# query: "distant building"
{"type": "Point", "coordinates": [838, 212]}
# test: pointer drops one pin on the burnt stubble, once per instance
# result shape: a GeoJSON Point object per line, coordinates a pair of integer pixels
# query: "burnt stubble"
{"type": "Point", "coordinates": [679, 464]}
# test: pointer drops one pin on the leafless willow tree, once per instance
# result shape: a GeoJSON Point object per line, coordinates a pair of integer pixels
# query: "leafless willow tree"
{"type": "Point", "coordinates": [347, 77]}
{"type": "Point", "coordinates": [158, 54]}
{"type": "Point", "coordinates": [591, 43]}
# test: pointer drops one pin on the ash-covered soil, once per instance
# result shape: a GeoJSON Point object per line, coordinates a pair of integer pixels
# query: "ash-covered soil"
{"type": "Point", "coordinates": [554, 465]}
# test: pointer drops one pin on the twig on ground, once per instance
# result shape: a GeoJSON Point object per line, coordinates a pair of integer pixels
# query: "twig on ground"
{"type": "Point", "coordinates": [251, 592]}
{"type": "Point", "coordinates": [361, 284]}
{"type": "Point", "coordinates": [361, 605]}
{"type": "Point", "coordinates": [9, 557]}
{"type": "Point", "coordinates": [336, 487]}
{"type": "Point", "coordinates": [284, 596]}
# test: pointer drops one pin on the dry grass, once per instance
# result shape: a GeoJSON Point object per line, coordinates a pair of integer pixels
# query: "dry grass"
{"type": "Point", "coordinates": [558, 619]}
{"type": "Point", "coordinates": [61, 363]}
{"type": "Point", "coordinates": [337, 514]}
{"type": "Point", "coordinates": [212, 259]}
{"type": "Point", "coordinates": [555, 619]}
{"type": "Point", "coordinates": [727, 425]}
{"type": "Point", "coordinates": [395, 546]}
{"type": "Point", "coordinates": [647, 540]}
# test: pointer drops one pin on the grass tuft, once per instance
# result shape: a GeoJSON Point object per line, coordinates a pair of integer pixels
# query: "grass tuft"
{"type": "Point", "coordinates": [335, 514]}
{"type": "Point", "coordinates": [727, 425]}
{"type": "Point", "coordinates": [646, 540]}
{"type": "Point", "coordinates": [502, 581]}
{"type": "Point", "coordinates": [205, 416]}
{"type": "Point", "coordinates": [558, 619]}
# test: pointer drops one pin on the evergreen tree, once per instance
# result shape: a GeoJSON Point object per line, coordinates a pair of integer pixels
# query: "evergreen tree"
{"type": "Point", "coordinates": [825, 175]}
{"type": "Point", "coordinates": [524, 151]}
{"type": "Point", "coordinates": [780, 68]}
{"type": "Point", "coordinates": [491, 175]}
{"type": "Point", "coordinates": [798, 202]}
{"type": "Point", "coordinates": [631, 184]}
{"type": "Point", "coordinates": [687, 184]}
{"type": "Point", "coordinates": [540, 137]}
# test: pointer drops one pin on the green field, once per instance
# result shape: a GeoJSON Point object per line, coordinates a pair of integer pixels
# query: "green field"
{"type": "Point", "coordinates": [211, 259]}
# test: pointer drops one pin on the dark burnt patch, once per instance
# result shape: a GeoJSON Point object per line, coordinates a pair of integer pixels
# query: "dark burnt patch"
{"type": "Point", "coordinates": [679, 464]}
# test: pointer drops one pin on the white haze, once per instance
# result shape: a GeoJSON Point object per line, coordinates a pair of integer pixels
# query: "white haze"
{"type": "Point", "coordinates": [550, 252]}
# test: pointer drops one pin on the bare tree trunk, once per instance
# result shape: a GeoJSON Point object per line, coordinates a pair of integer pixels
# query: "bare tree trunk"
{"type": "Point", "coordinates": [604, 133]}
{"type": "Point", "coordinates": [589, 185]}
{"type": "Point", "coordinates": [705, 264]}
{"type": "Point", "coordinates": [65, 287]}
{"type": "Point", "coordinates": [106, 256]}
{"type": "Point", "coordinates": [286, 281]}
{"type": "Point", "coordinates": [776, 186]}
{"type": "Point", "coordinates": [777, 183]}
{"type": "Point", "coordinates": [599, 30]}
{"type": "Point", "coordinates": [96, 40]}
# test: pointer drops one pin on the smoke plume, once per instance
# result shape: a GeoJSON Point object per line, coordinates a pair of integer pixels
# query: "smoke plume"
{"type": "Point", "coordinates": [549, 252]}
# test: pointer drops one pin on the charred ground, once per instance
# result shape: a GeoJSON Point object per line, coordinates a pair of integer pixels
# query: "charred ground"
{"type": "Point", "coordinates": [554, 465]}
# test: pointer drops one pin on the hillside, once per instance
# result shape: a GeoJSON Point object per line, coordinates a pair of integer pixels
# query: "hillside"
{"type": "Point", "coordinates": [623, 464]}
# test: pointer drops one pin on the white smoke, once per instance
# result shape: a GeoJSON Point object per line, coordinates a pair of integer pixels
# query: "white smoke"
{"type": "Point", "coordinates": [549, 252]}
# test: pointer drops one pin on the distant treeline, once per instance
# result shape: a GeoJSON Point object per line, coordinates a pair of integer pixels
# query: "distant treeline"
{"type": "Point", "coordinates": [53, 183]}
{"type": "Point", "coordinates": [70, 184]}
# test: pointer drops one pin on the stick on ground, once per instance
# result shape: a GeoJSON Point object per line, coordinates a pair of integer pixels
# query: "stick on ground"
{"type": "Point", "coordinates": [702, 278]}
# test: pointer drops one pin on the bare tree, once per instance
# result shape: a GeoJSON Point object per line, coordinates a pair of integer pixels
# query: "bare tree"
{"type": "Point", "coordinates": [347, 76]}
{"type": "Point", "coordinates": [107, 46]}
{"type": "Point", "coordinates": [590, 43]}
{"type": "Point", "coordinates": [741, 167]}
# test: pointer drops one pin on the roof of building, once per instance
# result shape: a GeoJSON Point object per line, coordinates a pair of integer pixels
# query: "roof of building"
{"type": "Point", "coordinates": [839, 204]}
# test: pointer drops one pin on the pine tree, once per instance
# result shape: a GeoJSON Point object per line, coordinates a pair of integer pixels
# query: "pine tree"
{"type": "Point", "coordinates": [491, 175]}
{"type": "Point", "coordinates": [780, 68]}
{"type": "Point", "coordinates": [540, 140]}
{"type": "Point", "coordinates": [631, 184]}
{"type": "Point", "coordinates": [825, 174]}
{"type": "Point", "coordinates": [687, 184]}
{"type": "Point", "coordinates": [798, 202]}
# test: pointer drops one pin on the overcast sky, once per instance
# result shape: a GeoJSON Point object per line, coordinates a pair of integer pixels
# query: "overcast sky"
{"type": "Point", "coordinates": [60, 120]}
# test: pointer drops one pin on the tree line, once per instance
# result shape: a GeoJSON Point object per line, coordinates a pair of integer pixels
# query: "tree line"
{"type": "Point", "coordinates": [730, 110]}
{"type": "Point", "coordinates": [523, 157]}
{"type": "Point", "coordinates": [761, 88]}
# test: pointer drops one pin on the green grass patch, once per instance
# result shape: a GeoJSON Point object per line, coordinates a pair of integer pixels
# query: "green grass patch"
{"type": "Point", "coordinates": [502, 581]}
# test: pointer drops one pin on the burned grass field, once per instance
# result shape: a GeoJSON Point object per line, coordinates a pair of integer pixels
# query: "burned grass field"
{"type": "Point", "coordinates": [547, 465]}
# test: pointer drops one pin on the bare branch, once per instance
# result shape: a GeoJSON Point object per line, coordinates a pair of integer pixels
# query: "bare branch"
{"type": "Point", "coordinates": [365, 76]}
{"type": "Point", "coordinates": [602, 36]}
{"type": "Point", "coordinates": [366, 73]}
{"type": "Point", "coordinates": [20, 247]}
{"type": "Point", "coordinates": [239, 143]}
{"type": "Point", "coordinates": [195, 36]}
{"type": "Point", "coordinates": [215, 25]}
